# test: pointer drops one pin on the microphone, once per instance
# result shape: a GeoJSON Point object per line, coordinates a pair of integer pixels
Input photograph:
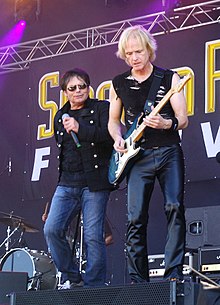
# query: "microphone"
{"type": "Point", "coordinates": [218, 157]}
{"type": "Point", "coordinates": [74, 136]}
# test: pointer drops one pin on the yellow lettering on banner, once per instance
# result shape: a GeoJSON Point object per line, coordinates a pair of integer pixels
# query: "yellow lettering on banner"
{"type": "Point", "coordinates": [211, 75]}
{"type": "Point", "coordinates": [188, 89]}
{"type": "Point", "coordinates": [91, 92]}
{"type": "Point", "coordinates": [51, 79]}
{"type": "Point", "coordinates": [102, 92]}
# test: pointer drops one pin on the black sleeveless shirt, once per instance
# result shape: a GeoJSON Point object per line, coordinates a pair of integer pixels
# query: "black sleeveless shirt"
{"type": "Point", "coordinates": [134, 94]}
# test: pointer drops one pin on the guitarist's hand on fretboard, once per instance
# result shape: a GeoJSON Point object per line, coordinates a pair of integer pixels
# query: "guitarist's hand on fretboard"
{"type": "Point", "coordinates": [157, 122]}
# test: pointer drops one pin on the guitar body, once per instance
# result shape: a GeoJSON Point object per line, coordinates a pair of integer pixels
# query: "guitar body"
{"type": "Point", "coordinates": [120, 164]}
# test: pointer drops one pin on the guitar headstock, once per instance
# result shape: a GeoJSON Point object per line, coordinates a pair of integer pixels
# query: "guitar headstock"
{"type": "Point", "coordinates": [179, 86]}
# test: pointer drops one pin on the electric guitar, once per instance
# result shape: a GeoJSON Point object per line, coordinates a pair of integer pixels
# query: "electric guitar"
{"type": "Point", "coordinates": [121, 163]}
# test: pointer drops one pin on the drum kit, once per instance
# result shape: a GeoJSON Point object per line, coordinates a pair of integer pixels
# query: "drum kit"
{"type": "Point", "coordinates": [42, 273]}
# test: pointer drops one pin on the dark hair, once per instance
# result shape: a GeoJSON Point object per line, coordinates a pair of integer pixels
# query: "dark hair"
{"type": "Point", "coordinates": [79, 73]}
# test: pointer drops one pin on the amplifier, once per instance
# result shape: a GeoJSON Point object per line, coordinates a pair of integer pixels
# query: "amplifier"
{"type": "Point", "coordinates": [157, 264]}
{"type": "Point", "coordinates": [209, 259]}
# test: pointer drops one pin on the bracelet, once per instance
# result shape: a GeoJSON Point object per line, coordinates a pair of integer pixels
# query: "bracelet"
{"type": "Point", "coordinates": [175, 123]}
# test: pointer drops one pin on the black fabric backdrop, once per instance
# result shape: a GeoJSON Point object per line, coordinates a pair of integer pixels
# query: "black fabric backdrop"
{"type": "Point", "coordinates": [21, 114]}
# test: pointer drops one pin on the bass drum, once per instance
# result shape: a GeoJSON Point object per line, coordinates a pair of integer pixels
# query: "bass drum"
{"type": "Point", "coordinates": [42, 273]}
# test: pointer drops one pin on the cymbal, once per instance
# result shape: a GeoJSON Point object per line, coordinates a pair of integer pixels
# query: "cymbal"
{"type": "Point", "coordinates": [11, 215]}
{"type": "Point", "coordinates": [18, 223]}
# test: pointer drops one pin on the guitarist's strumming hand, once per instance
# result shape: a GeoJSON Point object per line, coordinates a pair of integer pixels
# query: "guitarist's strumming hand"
{"type": "Point", "coordinates": [120, 144]}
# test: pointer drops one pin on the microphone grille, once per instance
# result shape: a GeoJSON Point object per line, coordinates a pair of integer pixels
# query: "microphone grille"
{"type": "Point", "coordinates": [65, 115]}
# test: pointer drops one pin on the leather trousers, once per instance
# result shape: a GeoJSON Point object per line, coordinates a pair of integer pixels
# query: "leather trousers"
{"type": "Point", "coordinates": [167, 165]}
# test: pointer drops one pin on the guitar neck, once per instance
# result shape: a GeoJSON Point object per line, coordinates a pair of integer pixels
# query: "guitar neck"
{"type": "Point", "coordinates": [138, 133]}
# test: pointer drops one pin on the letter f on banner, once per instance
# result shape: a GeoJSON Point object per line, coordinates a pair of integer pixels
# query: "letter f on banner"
{"type": "Point", "coordinates": [39, 163]}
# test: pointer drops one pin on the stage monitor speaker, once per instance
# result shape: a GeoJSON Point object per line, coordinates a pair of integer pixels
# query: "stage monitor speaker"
{"type": "Point", "coordinates": [11, 282]}
{"type": "Point", "coordinates": [202, 227]}
{"type": "Point", "coordinates": [155, 293]}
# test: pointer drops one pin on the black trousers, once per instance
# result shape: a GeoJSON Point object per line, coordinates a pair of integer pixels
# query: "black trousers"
{"type": "Point", "coordinates": [167, 165]}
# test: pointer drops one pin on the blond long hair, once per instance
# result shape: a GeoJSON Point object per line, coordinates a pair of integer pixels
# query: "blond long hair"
{"type": "Point", "coordinates": [141, 34]}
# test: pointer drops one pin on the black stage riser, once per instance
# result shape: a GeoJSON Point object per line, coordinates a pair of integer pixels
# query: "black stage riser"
{"type": "Point", "coordinates": [161, 293]}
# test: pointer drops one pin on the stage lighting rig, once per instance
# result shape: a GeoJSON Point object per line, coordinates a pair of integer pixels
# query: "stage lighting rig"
{"type": "Point", "coordinates": [28, 10]}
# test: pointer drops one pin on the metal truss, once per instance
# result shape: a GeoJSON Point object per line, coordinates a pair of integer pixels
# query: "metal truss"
{"type": "Point", "coordinates": [19, 56]}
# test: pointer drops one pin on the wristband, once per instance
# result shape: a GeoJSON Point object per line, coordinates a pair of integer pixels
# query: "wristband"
{"type": "Point", "coordinates": [175, 123]}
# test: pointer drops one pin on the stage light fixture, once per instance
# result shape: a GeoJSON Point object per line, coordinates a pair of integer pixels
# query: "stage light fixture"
{"type": "Point", "coordinates": [27, 10]}
{"type": "Point", "coordinates": [22, 23]}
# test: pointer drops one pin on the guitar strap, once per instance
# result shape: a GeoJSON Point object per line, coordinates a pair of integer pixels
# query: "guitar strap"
{"type": "Point", "coordinates": [157, 78]}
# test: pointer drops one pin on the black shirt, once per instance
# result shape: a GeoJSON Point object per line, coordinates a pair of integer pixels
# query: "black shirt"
{"type": "Point", "coordinates": [134, 94]}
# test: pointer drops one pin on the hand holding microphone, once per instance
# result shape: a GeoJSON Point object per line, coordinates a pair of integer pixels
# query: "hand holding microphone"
{"type": "Point", "coordinates": [73, 134]}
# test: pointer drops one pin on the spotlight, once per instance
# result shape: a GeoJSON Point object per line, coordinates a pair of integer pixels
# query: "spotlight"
{"type": "Point", "coordinates": [22, 23]}
{"type": "Point", "coordinates": [27, 10]}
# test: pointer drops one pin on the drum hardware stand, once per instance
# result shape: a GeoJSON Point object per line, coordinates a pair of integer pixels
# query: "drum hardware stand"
{"type": "Point", "coordinates": [59, 277]}
{"type": "Point", "coordinates": [37, 279]}
{"type": "Point", "coordinates": [76, 233]}
{"type": "Point", "coordinates": [7, 239]}
{"type": "Point", "coordinates": [81, 261]}
{"type": "Point", "coordinates": [79, 253]}
{"type": "Point", "coordinates": [10, 233]}
{"type": "Point", "coordinates": [17, 223]}
{"type": "Point", "coordinates": [21, 241]}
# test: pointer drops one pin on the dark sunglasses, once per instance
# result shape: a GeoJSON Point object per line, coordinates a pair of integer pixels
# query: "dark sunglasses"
{"type": "Point", "coordinates": [73, 88]}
